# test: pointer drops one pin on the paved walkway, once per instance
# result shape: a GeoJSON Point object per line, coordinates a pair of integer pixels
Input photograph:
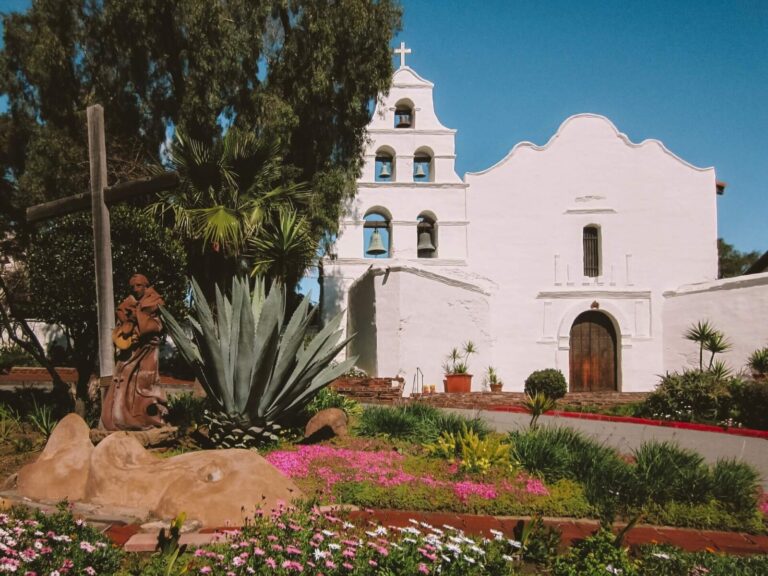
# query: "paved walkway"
{"type": "Point", "coordinates": [572, 530]}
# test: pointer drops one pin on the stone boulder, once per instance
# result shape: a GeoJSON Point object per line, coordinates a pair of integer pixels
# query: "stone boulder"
{"type": "Point", "coordinates": [61, 471]}
{"type": "Point", "coordinates": [326, 424]}
{"type": "Point", "coordinates": [215, 487]}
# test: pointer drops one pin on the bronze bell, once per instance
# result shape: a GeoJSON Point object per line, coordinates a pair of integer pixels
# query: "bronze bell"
{"type": "Point", "coordinates": [425, 242]}
{"type": "Point", "coordinates": [376, 246]}
{"type": "Point", "coordinates": [419, 172]}
{"type": "Point", "coordinates": [385, 171]}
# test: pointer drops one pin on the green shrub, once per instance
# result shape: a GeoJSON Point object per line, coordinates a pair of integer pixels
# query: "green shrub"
{"type": "Point", "coordinates": [667, 473]}
{"type": "Point", "coordinates": [417, 422]}
{"type": "Point", "coordinates": [13, 355]}
{"type": "Point", "coordinates": [710, 515]}
{"type": "Point", "coordinates": [665, 560]}
{"type": "Point", "coordinates": [735, 485]}
{"type": "Point", "coordinates": [596, 555]}
{"type": "Point", "coordinates": [758, 361]}
{"type": "Point", "coordinates": [692, 396]}
{"type": "Point", "coordinates": [186, 410]}
{"type": "Point", "coordinates": [751, 404]}
{"type": "Point", "coordinates": [550, 381]}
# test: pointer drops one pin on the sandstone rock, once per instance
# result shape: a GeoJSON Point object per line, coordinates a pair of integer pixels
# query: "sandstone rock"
{"type": "Point", "coordinates": [327, 423]}
{"type": "Point", "coordinates": [214, 487]}
{"type": "Point", "coordinates": [147, 438]}
{"type": "Point", "coordinates": [61, 471]}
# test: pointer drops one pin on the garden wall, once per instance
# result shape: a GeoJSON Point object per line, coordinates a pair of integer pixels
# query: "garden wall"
{"type": "Point", "coordinates": [736, 306]}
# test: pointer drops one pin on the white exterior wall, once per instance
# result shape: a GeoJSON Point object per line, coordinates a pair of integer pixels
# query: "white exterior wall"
{"type": "Point", "coordinates": [738, 307]}
{"type": "Point", "coordinates": [509, 268]}
{"type": "Point", "coordinates": [657, 220]}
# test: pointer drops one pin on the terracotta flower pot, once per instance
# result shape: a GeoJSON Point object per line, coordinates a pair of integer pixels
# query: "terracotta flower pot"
{"type": "Point", "coordinates": [454, 383]}
{"type": "Point", "coordinates": [496, 387]}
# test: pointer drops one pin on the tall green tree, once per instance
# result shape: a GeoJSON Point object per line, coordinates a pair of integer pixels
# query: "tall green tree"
{"type": "Point", "coordinates": [61, 268]}
{"type": "Point", "coordinates": [297, 73]}
{"type": "Point", "coordinates": [732, 262]}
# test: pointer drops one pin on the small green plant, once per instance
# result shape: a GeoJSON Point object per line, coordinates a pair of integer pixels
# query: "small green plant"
{"type": "Point", "coordinates": [758, 362]}
{"type": "Point", "coordinates": [458, 360]}
{"type": "Point", "coordinates": [596, 555]}
{"type": "Point", "coordinates": [22, 444]}
{"type": "Point", "coordinates": [417, 422]}
{"type": "Point", "coordinates": [491, 379]}
{"type": "Point", "coordinates": [168, 550]}
{"type": "Point", "coordinates": [538, 542]}
{"type": "Point", "coordinates": [549, 381]}
{"type": "Point", "coordinates": [8, 427]}
{"type": "Point", "coordinates": [329, 398]}
{"type": "Point", "coordinates": [474, 454]}
{"type": "Point", "coordinates": [42, 418]}
{"type": "Point", "coordinates": [537, 405]}
{"type": "Point", "coordinates": [720, 370]}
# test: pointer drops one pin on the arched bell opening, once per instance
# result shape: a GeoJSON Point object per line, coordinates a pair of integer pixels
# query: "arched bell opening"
{"type": "Point", "coordinates": [377, 235]}
{"type": "Point", "coordinates": [426, 235]}
{"type": "Point", "coordinates": [423, 165]}
{"type": "Point", "coordinates": [404, 114]}
{"type": "Point", "coordinates": [385, 165]}
{"type": "Point", "coordinates": [594, 353]}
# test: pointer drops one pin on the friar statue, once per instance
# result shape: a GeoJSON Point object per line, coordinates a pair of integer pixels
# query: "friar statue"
{"type": "Point", "coordinates": [134, 399]}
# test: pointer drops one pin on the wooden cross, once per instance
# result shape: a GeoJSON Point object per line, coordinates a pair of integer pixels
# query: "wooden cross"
{"type": "Point", "coordinates": [402, 51]}
{"type": "Point", "coordinates": [101, 195]}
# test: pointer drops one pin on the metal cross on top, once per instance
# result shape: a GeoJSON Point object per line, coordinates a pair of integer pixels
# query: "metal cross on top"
{"type": "Point", "coordinates": [402, 51]}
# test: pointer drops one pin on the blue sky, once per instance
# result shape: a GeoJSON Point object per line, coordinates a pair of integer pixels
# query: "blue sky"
{"type": "Point", "coordinates": [691, 73]}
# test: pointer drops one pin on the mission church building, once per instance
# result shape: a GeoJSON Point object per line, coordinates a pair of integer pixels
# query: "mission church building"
{"type": "Point", "coordinates": [569, 255]}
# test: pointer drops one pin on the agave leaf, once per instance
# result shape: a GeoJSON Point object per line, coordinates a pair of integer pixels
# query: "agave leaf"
{"type": "Point", "coordinates": [290, 343]}
{"type": "Point", "coordinates": [295, 386]}
{"type": "Point", "coordinates": [223, 324]}
{"type": "Point", "coordinates": [243, 343]}
{"type": "Point", "coordinates": [268, 338]}
{"type": "Point", "coordinates": [190, 353]}
{"type": "Point", "coordinates": [257, 301]}
{"type": "Point", "coordinates": [208, 344]}
{"type": "Point", "coordinates": [304, 357]}
{"type": "Point", "coordinates": [295, 402]}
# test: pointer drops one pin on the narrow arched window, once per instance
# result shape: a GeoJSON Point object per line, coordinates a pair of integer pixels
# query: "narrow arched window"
{"type": "Point", "coordinates": [591, 240]}
{"type": "Point", "coordinates": [377, 235]}
{"type": "Point", "coordinates": [426, 235]}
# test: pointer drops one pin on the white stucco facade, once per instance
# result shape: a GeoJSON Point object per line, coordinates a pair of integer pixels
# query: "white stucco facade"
{"type": "Point", "coordinates": [509, 270]}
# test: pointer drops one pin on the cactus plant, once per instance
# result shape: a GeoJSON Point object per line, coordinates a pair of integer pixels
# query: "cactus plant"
{"type": "Point", "coordinates": [256, 370]}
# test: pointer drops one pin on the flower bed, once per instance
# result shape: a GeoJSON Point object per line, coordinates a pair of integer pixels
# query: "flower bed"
{"type": "Point", "coordinates": [387, 478]}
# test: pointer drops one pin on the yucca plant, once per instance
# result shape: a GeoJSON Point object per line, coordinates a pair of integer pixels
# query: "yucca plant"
{"type": "Point", "coordinates": [256, 370]}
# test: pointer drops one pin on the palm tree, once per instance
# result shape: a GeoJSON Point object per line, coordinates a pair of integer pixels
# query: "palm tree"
{"type": "Point", "coordinates": [701, 332]}
{"type": "Point", "coordinates": [231, 192]}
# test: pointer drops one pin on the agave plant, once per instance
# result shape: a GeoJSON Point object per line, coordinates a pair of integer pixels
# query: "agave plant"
{"type": "Point", "coordinates": [256, 370]}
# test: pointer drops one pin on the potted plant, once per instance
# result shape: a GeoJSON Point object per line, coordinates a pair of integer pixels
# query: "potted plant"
{"type": "Point", "coordinates": [457, 376]}
{"type": "Point", "coordinates": [492, 380]}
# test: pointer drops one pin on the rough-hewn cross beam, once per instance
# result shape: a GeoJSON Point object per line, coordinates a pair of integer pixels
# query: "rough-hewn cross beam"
{"type": "Point", "coordinates": [112, 195]}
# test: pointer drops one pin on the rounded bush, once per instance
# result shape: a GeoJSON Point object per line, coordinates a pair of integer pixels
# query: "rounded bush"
{"type": "Point", "coordinates": [550, 382]}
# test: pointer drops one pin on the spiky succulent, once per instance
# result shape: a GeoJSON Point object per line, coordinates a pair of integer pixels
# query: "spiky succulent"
{"type": "Point", "coordinates": [257, 371]}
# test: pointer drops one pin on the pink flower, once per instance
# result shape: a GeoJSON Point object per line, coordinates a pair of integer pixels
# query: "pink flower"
{"type": "Point", "coordinates": [423, 568]}
{"type": "Point", "coordinates": [291, 565]}
{"type": "Point", "coordinates": [270, 562]}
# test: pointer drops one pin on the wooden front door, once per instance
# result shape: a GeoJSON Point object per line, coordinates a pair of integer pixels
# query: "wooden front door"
{"type": "Point", "coordinates": [593, 354]}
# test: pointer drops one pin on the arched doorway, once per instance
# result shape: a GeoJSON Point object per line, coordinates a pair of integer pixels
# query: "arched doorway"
{"type": "Point", "coordinates": [593, 354]}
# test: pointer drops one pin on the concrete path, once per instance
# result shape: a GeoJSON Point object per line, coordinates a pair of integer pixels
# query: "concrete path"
{"type": "Point", "coordinates": [626, 436]}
